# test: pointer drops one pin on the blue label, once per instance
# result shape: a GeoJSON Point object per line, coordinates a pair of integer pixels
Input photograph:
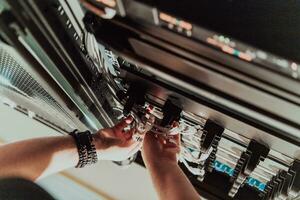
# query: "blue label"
{"type": "Point", "coordinates": [220, 167]}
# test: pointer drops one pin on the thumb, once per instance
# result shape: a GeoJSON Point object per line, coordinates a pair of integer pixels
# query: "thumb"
{"type": "Point", "coordinates": [150, 141]}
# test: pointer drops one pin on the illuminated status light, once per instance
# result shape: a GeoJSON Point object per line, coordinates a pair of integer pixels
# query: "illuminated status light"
{"type": "Point", "coordinates": [256, 183]}
{"type": "Point", "coordinates": [175, 22]}
{"type": "Point", "coordinates": [294, 66]}
{"type": "Point", "coordinates": [224, 40]}
{"type": "Point", "coordinates": [229, 50]}
{"type": "Point", "coordinates": [262, 55]}
{"type": "Point", "coordinates": [110, 3]}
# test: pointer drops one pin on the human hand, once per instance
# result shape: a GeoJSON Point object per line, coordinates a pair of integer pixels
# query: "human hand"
{"type": "Point", "coordinates": [159, 150]}
{"type": "Point", "coordinates": [160, 156]}
{"type": "Point", "coordinates": [115, 143]}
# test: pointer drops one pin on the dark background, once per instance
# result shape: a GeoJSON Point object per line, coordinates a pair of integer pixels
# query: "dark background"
{"type": "Point", "coordinates": [271, 25]}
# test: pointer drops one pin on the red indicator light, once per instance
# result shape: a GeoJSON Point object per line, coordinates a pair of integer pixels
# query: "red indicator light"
{"type": "Point", "coordinates": [245, 56]}
{"type": "Point", "coordinates": [228, 49]}
{"type": "Point", "coordinates": [185, 25]}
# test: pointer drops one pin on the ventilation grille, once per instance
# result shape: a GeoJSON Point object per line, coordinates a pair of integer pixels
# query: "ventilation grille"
{"type": "Point", "coordinates": [18, 86]}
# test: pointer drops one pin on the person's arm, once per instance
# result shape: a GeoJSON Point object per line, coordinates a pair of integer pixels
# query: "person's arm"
{"type": "Point", "coordinates": [36, 158]}
{"type": "Point", "coordinates": [160, 157]}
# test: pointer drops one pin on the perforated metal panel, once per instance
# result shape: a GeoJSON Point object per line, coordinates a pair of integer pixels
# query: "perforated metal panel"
{"type": "Point", "coordinates": [19, 86]}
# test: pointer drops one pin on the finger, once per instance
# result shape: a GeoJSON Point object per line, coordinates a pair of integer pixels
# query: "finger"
{"type": "Point", "coordinates": [172, 147]}
{"type": "Point", "coordinates": [124, 123]}
{"type": "Point", "coordinates": [176, 138]}
{"type": "Point", "coordinates": [161, 139]}
{"type": "Point", "coordinates": [151, 141]}
{"type": "Point", "coordinates": [175, 124]}
{"type": "Point", "coordinates": [171, 143]}
{"type": "Point", "coordinates": [128, 135]}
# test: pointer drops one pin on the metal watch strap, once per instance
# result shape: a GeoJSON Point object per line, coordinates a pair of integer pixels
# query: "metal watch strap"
{"type": "Point", "coordinates": [86, 149]}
